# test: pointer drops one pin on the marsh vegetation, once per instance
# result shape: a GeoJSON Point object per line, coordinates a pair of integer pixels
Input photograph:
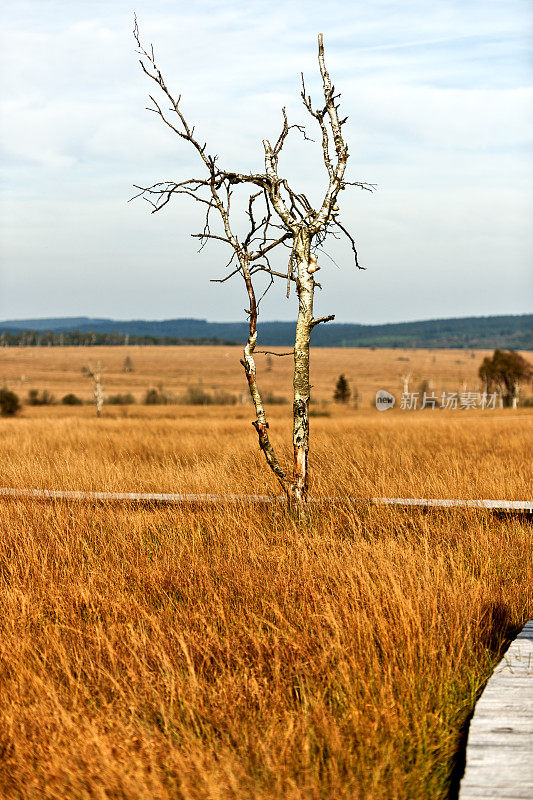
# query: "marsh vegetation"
{"type": "Point", "coordinates": [234, 651]}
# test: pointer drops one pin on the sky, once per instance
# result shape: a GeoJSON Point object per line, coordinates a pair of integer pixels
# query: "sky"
{"type": "Point", "coordinates": [439, 100]}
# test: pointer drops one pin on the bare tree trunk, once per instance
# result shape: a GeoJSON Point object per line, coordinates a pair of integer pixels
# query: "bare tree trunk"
{"type": "Point", "coordinates": [260, 423]}
{"type": "Point", "coordinates": [406, 379]}
{"type": "Point", "coordinates": [98, 395]}
{"type": "Point", "coordinates": [305, 288]}
{"type": "Point", "coordinates": [96, 374]}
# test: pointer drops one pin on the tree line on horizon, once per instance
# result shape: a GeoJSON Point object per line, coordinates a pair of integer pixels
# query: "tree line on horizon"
{"type": "Point", "coordinates": [31, 338]}
{"type": "Point", "coordinates": [487, 333]}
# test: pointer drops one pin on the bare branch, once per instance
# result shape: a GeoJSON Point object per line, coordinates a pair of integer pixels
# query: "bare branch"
{"type": "Point", "coordinates": [271, 283]}
{"type": "Point", "coordinates": [336, 173]}
{"type": "Point", "coordinates": [322, 319]}
{"type": "Point", "coordinates": [284, 133]}
{"type": "Point", "coordinates": [260, 423]}
{"type": "Point", "coordinates": [319, 116]}
{"type": "Point", "coordinates": [164, 191]}
{"type": "Point", "coordinates": [369, 187]}
{"type": "Point", "coordinates": [327, 254]}
{"type": "Point", "coordinates": [271, 353]}
{"type": "Point", "coordinates": [352, 242]}
{"type": "Point", "coordinates": [261, 253]}
{"type": "Point", "coordinates": [272, 272]}
{"type": "Point", "coordinates": [210, 236]}
{"type": "Point", "coordinates": [223, 280]}
{"type": "Point", "coordinates": [271, 166]}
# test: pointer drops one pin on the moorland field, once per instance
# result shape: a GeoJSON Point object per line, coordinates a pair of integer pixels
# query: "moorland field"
{"type": "Point", "coordinates": [59, 369]}
{"type": "Point", "coordinates": [234, 651]}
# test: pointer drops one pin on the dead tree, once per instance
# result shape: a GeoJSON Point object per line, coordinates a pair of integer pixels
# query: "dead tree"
{"type": "Point", "coordinates": [279, 220]}
{"type": "Point", "coordinates": [96, 374]}
{"type": "Point", "coordinates": [406, 378]}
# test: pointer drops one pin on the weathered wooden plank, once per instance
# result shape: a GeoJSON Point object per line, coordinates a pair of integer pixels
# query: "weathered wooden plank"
{"type": "Point", "coordinates": [510, 506]}
{"type": "Point", "coordinates": [499, 753]}
{"type": "Point", "coordinates": [491, 505]}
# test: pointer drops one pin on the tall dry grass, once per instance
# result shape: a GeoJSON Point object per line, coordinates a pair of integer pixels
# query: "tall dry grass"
{"type": "Point", "coordinates": [236, 653]}
{"type": "Point", "coordinates": [233, 651]}
{"type": "Point", "coordinates": [468, 454]}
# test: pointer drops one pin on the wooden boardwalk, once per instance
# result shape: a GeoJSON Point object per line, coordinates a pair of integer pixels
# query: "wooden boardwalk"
{"type": "Point", "coordinates": [499, 752]}
{"type": "Point", "coordinates": [523, 507]}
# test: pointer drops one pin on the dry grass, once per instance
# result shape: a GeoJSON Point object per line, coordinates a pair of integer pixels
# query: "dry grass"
{"type": "Point", "coordinates": [469, 454]}
{"type": "Point", "coordinates": [234, 652]}
{"type": "Point", "coordinates": [58, 369]}
{"type": "Point", "coordinates": [239, 655]}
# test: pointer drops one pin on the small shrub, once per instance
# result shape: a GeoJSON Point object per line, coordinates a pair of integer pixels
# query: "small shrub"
{"type": "Point", "coordinates": [46, 398]}
{"type": "Point", "coordinates": [425, 387]}
{"type": "Point", "coordinates": [9, 403]}
{"type": "Point", "coordinates": [342, 391]}
{"type": "Point", "coordinates": [272, 399]}
{"type": "Point", "coordinates": [195, 396]}
{"type": "Point", "coordinates": [504, 372]}
{"type": "Point", "coordinates": [152, 398]}
{"type": "Point", "coordinates": [319, 412]}
{"type": "Point", "coordinates": [158, 397]}
{"type": "Point", "coordinates": [71, 400]}
{"type": "Point", "coordinates": [121, 399]}
{"type": "Point", "coordinates": [222, 398]}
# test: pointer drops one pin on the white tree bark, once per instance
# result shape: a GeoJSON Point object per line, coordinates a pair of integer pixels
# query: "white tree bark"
{"type": "Point", "coordinates": [305, 287]}
{"type": "Point", "coordinates": [96, 375]}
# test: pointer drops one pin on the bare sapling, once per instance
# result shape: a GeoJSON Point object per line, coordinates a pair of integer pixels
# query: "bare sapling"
{"type": "Point", "coordinates": [96, 374]}
{"type": "Point", "coordinates": [279, 220]}
{"type": "Point", "coordinates": [405, 379]}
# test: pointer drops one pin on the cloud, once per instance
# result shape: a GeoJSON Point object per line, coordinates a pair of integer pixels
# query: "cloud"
{"type": "Point", "coordinates": [439, 100]}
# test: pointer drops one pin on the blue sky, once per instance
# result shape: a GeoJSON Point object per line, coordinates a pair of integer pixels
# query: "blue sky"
{"type": "Point", "coordinates": [440, 111]}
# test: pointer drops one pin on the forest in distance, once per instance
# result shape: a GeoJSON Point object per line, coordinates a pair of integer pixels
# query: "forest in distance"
{"type": "Point", "coordinates": [504, 332]}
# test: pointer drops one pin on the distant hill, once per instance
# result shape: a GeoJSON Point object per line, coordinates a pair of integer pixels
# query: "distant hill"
{"type": "Point", "coordinates": [506, 332]}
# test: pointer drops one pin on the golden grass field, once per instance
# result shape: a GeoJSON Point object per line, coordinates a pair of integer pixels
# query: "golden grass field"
{"type": "Point", "coordinates": [234, 651]}
{"type": "Point", "coordinates": [58, 369]}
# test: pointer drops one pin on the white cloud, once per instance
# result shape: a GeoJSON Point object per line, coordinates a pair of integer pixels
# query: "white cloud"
{"type": "Point", "coordinates": [439, 101]}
